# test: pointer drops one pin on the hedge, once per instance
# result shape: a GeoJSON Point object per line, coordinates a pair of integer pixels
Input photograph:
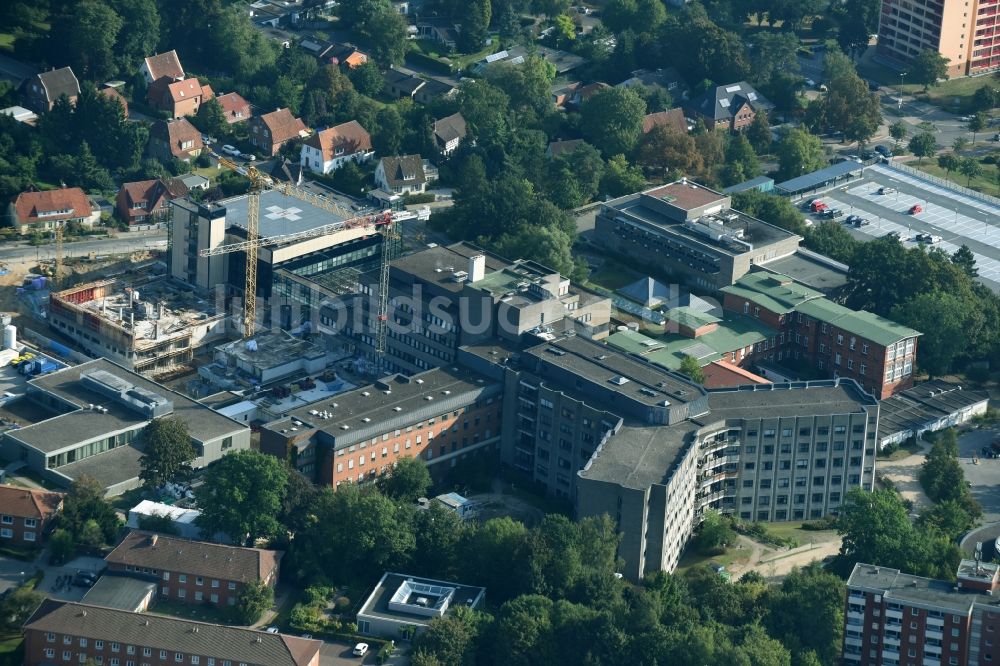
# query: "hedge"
{"type": "Point", "coordinates": [430, 63]}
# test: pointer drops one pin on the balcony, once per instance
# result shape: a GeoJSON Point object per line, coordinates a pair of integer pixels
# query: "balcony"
{"type": "Point", "coordinates": [856, 642]}
{"type": "Point", "coordinates": [891, 642]}
{"type": "Point", "coordinates": [935, 622]}
{"type": "Point", "coordinates": [894, 614]}
{"type": "Point", "coordinates": [860, 617]}
{"type": "Point", "coordinates": [890, 654]}
{"type": "Point", "coordinates": [931, 662]}
{"type": "Point", "coordinates": [934, 635]}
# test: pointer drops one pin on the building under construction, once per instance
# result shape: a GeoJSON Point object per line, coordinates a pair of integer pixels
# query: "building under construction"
{"type": "Point", "coordinates": [149, 325]}
{"type": "Point", "coordinates": [292, 273]}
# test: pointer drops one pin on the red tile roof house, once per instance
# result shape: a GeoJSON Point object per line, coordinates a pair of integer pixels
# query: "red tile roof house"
{"type": "Point", "coordinates": [672, 118]}
{"type": "Point", "coordinates": [80, 633]}
{"type": "Point", "coordinates": [234, 108]}
{"type": "Point", "coordinates": [194, 572]}
{"type": "Point", "coordinates": [272, 130]}
{"type": "Point", "coordinates": [147, 201]}
{"type": "Point", "coordinates": [111, 93]}
{"type": "Point", "coordinates": [26, 515]}
{"type": "Point", "coordinates": [42, 90]}
{"type": "Point", "coordinates": [162, 65]}
{"type": "Point", "coordinates": [44, 211]}
{"type": "Point", "coordinates": [178, 98]}
{"type": "Point", "coordinates": [170, 139]}
{"type": "Point", "coordinates": [330, 149]}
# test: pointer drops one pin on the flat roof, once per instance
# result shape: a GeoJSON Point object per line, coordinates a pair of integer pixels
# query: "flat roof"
{"type": "Point", "coordinates": [629, 376]}
{"type": "Point", "coordinates": [751, 184]}
{"type": "Point", "coordinates": [377, 603]}
{"type": "Point", "coordinates": [435, 265]}
{"type": "Point", "coordinates": [774, 291]}
{"type": "Point", "coordinates": [391, 398]}
{"type": "Point", "coordinates": [818, 398]}
{"type": "Point", "coordinates": [895, 585]}
{"type": "Point", "coordinates": [923, 405]}
{"type": "Point", "coordinates": [812, 270]}
{"type": "Point", "coordinates": [638, 456]}
{"type": "Point", "coordinates": [686, 195]}
{"type": "Point", "coordinates": [279, 214]}
{"type": "Point", "coordinates": [811, 181]}
{"type": "Point", "coordinates": [121, 592]}
{"type": "Point", "coordinates": [109, 468]}
{"type": "Point", "coordinates": [272, 348]}
{"type": "Point", "coordinates": [65, 430]}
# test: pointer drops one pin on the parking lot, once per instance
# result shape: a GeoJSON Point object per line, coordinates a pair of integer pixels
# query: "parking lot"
{"type": "Point", "coordinates": [984, 477]}
{"type": "Point", "coordinates": [956, 218]}
{"type": "Point", "coordinates": [14, 572]}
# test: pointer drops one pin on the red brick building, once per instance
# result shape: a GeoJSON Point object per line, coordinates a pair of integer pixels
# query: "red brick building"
{"type": "Point", "coordinates": [441, 416]}
{"type": "Point", "coordinates": [26, 515]}
{"type": "Point", "coordinates": [194, 572]}
{"type": "Point", "coordinates": [732, 107]}
{"type": "Point", "coordinates": [876, 352]}
{"type": "Point", "coordinates": [895, 618]}
{"type": "Point", "coordinates": [147, 201]}
{"type": "Point", "coordinates": [72, 633]}
{"type": "Point", "coordinates": [271, 131]}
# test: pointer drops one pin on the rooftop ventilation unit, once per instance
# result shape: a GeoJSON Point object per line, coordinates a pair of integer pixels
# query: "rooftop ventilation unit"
{"type": "Point", "coordinates": [141, 400]}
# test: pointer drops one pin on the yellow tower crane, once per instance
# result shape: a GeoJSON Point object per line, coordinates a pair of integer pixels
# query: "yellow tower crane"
{"type": "Point", "coordinates": [381, 223]}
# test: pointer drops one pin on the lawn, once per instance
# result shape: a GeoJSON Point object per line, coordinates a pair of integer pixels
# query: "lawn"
{"type": "Point", "coordinates": [794, 531]}
{"type": "Point", "coordinates": [199, 612]}
{"type": "Point", "coordinates": [904, 451]}
{"type": "Point", "coordinates": [7, 42]}
{"type": "Point", "coordinates": [987, 183]}
{"type": "Point", "coordinates": [691, 559]}
{"type": "Point", "coordinates": [11, 649]}
{"type": "Point", "coordinates": [460, 61]}
{"type": "Point", "coordinates": [953, 94]}
{"type": "Point", "coordinates": [613, 276]}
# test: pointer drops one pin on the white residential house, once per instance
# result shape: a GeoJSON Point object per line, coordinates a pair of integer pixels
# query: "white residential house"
{"type": "Point", "coordinates": [333, 147]}
{"type": "Point", "coordinates": [408, 174]}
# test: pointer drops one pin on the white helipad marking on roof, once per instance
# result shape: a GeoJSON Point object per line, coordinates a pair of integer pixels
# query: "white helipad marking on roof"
{"type": "Point", "coordinates": [279, 213]}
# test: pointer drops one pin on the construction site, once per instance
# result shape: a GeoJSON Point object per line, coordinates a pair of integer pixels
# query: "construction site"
{"type": "Point", "coordinates": [151, 324]}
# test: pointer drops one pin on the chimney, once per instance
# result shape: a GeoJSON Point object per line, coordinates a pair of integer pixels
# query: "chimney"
{"type": "Point", "coordinates": [160, 312]}
{"type": "Point", "coordinates": [477, 268]}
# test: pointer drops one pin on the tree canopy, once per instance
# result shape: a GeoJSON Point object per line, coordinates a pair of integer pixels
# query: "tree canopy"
{"type": "Point", "coordinates": [167, 452]}
{"type": "Point", "coordinates": [242, 496]}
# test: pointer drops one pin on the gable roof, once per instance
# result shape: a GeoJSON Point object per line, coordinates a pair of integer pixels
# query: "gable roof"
{"type": "Point", "coordinates": [557, 148]}
{"type": "Point", "coordinates": [450, 128]}
{"type": "Point", "coordinates": [34, 206]}
{"type": "Point", "coordinates": [160, 632]}
{"type": "Point", "coordinates": [436, 88]}
{"type": "Point", "coordinates": [285, 170]}
{"type": "Point", "coordinates": [153, 191]}
{"type": "Point", "coordinates": [861, 323]}
{"type": "Point", "coordinates": [233, 104]}
{"type": "Point", "coordinates": [186, 89]}
{"type": "Point", "coordinates": [406, 83]}
{"type": "Point", "coordinates": [165, 64]}
{"type": "Point", "coordinates": [175, 133]}
{"type": "Point", "coordinates": [282, 125]}
{"type": "Point", "coordinates": [28, 503]}
{"type": "Point", "coordinates": [672, 118]}
{"type": "Point", "coordinates": [342, 53]}
{"type": "Point", "coordinates": [350, 136]}
{"type": "Point", "coordinates": [112, 93]}
{"type": "Point", "coordinates": [720, 102]}
{"type": "Point", "coordinates": [57, 82]}
{"type": "Point", "coordinates": [404, 170]}
{"type": "Point", "coordinates": [200, 558]}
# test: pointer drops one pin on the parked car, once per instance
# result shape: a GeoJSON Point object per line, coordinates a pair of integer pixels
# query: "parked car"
{"type": "Point", "coordinates": [852, 219]}
{"type": "Point", "coordinates": [853, 158]}
{"type": "Point", "coordinates": [230, 150]}
{"type": "Point", "coordinates": [360, 650]}
{"type": "Point", "coordinates": [884, 151]}
{"type": "Point", "coordinates": [272, 630]}
{"type": "Point", "coordinates": [927, 238]}
{"type": "Point", "coordinates": [860, 222]}
{"type": "Point", "coordinates": [207, 140]}
{"type": "Point", "coordinates": [248, 157]}
{"type": "Point", "coordinates": [886, 190]}
{"type": "Point", "coordinates": [833, 213]}
{"type": "Point", "coordinates": [810, 83]}
{"type": "Point", "coordinates": [915, 208]}
{"type": "Point", "coordinates": [817, 206]}
{"type": "Point", "coordinates": [873, 86]}
{"type": "Point", "coordinates": [869, 155]}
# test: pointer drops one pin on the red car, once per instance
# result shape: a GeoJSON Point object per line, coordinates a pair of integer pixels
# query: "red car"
{"type": "Point", "coordinates": [818, 206]}
{"type": "Point", "coordinates": [916, 209]}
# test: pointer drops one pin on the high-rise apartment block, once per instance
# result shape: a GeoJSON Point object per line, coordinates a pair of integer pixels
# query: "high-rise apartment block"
{"type": "Point", "coordinates": [963, 31]}
{"type": "Point", "coordinates": [894, 619]}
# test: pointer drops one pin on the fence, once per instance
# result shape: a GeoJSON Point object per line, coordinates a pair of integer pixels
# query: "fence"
{"type": "Point", "coordinates": [936, 180]}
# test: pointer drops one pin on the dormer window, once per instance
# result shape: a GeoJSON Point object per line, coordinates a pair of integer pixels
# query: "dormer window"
{"type": "Point", "coordinates": [339, 150]}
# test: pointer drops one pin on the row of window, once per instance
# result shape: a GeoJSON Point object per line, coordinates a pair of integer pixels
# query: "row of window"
{"type": "Point", "coordinates": [9, 520]}
{"type": "Point", "coordinates": [7, 533]}
{"type": "Point", "coordinates": [179, 657]}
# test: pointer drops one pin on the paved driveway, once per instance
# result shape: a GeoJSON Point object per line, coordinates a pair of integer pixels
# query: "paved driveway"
{"type": "Point", "coordinates": [984, 478]}
{"type": "Point", "coordinates": [339, 654]}
{"type": "Point", "coordinates": [11, 575]}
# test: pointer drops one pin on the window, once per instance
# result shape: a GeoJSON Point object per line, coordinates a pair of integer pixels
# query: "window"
{"type": "Point", "coordinates": [178, 657]}
{"type": "Point", "coordinates": [232, 585]}
{"type": "Point", "coordinates": [30, 522]}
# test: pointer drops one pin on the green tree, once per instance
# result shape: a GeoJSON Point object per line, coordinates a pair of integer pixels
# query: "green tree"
{"type": "Point", "coordinates": [966, 260]}
{"type": "Point", "coordinates": [739, 151]}
{"type": "Point", "coordinates": [167, 452]}
{"type": "Point", "coordinates": [986, 98]}
{"type": "Point", "coordinates": [771, 208]}
{"type": "Point", "coordinates": [475, 24]}
{"type": "Point", "coordinates": [85, 504]}
{"type": "Point", "coordinates": [237, 46]}
{"type": "Point", "coordinates": [977, 123]}
{"type": "Point", "coordinates": [565, 30]}
{"type": "Point", "coordinates": [928, 67]}
{"type": "Point", "coordinates": [970, 167]}
{"type": "Point", "coordinates": [611, 120]}
{"type": "Point", "coordinates": [875, 528]}
{"type": "Point", "coordinates": [773, 52]}
{"type": "Point", "coordinates": [255, 599]}
{"type": "Point", "coordinates": [367, 78]}
{"type": "Point", "coordinates": [84, 37]}
{"type": "Point", "coordinates": [452, 638]}
{"type": "Point", "coordinates": [897, 131]}
{"type": "Point", "coordinates": [946, 321]}
{"type": "Point", "coordinates": [923, 145]}
{"type": "Point", "coordinates": [665, 152]}
{"type": "Point", "coordinates": [18, 606]}
{"type": "Point", "coordinates": [211, 119]}
{"type": "Point", "coordinates": [692, 369]}
{"type": "Point", "coordinates": [715, 533]}
{"type": "Point", "coordinates": [949, 162]}
{"type": "Point", "coordinates": [388, 138]}
{"type": "Point", "coordinates": [158, 523]}
{"type": "Point", "coordinates": [849, 107]}
{"type": "Point", "coordinates": [799, 152]}
{"type": "Point", "coordinates": [497, 540]}
{"type": "Point", "coordinates": [62, 547]}
{"type": "Point", "coordinates": [759, 133]}
{"type": "Point", "coordinates": [959, 144]}
{"type": "Point", "coordinates": [620, 178]}
{"type": "Point", "coordinates": [387, 32]}
{"type": "Point", "coordinates": [807, 613]}
{"type": "Point", "coordinates": [242, 495]}
{"type": "Point", "coordinates": [406, 481]}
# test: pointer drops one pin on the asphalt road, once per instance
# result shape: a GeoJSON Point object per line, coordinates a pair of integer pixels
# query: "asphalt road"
{"type": "Point", "coordinates": [123, 244]}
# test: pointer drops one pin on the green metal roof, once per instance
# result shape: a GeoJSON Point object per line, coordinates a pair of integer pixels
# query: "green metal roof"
{"type": "Point", "coordinates": [632, 342]}
{"type": "Point", "coordinates": [689, 317]}
{"type": "Point", "coordinates": [861, 323]}
{"type": "Point", "coordinates": [776, 292]}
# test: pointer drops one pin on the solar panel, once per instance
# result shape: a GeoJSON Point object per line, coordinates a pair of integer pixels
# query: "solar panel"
{"type": "Point", "coordinates": [752, 97]}
{"type": "Point", "coordinates": [724, 103]}
{"type": "Point", "coordinates": [732, 89]}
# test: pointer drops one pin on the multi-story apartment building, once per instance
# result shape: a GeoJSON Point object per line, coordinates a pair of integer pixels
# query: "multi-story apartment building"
{"type": "Point", "coordinates": [894, 619]}
{"type": "Point", "coordinates": [26, 515]}
{"type": "Point", "coordinates": [194, 572]}
{"type": "Point", "coordinates": [874, 351]}
{"type": "Point", "coordinates": [65, 632]}
{"type": "Point", "coordinates": [691, 232]}
{"type": "Point", "coordinates": [620, 436]}
{"type": "Point", "coordinates": [441, 416]}
{"type": "Point", "coordinates": [445, 297]}
{"type": "Point", "coordinates": [963, 31]}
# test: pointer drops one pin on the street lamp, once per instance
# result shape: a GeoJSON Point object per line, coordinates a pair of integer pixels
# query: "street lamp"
{"type": "Point", "coordinates": [902, 75]}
